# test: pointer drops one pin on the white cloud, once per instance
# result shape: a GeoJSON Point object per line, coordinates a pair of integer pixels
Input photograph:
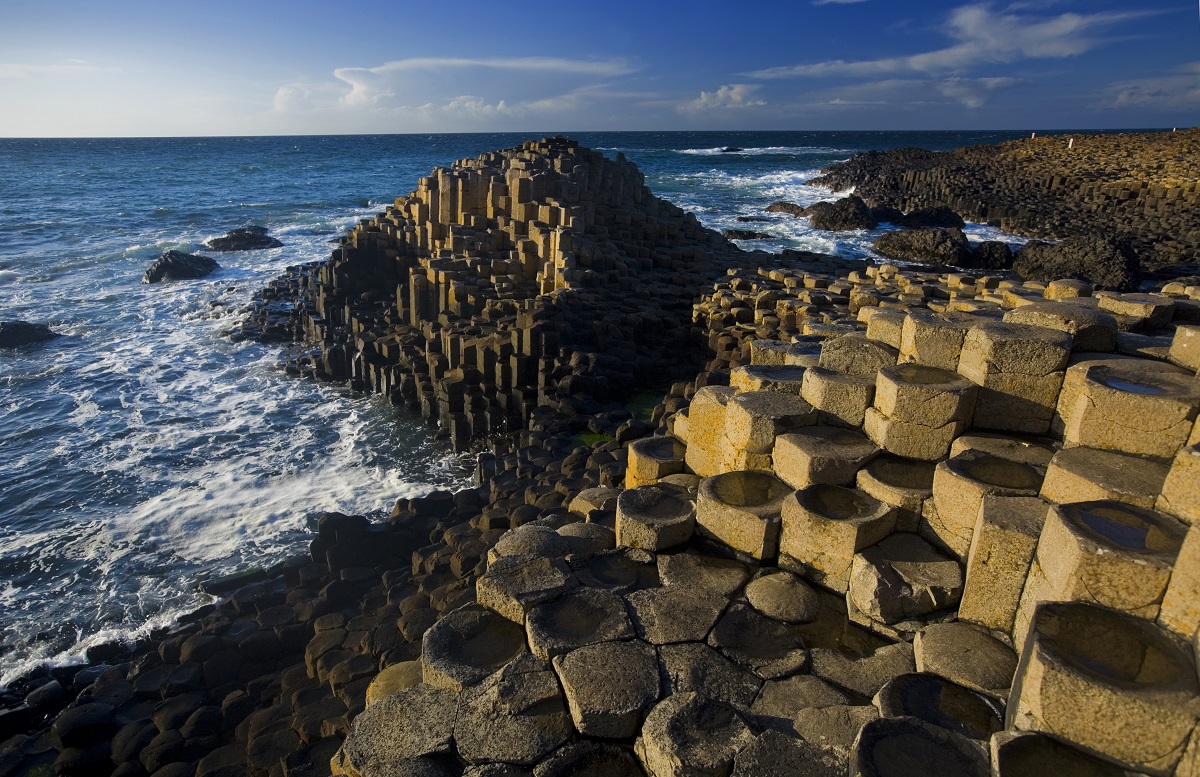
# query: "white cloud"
{"type": "Point", "coordinates": [728, 96]}
{"type": "Point", "coordinates": [981, 35]}
{"type": "Point", "coordinates": [975, 92]}
{"type": "Point", "coordinates": [1178, 90]}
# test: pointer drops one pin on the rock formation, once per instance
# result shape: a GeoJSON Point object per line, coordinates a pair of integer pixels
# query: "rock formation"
{"type": "Point", "coordinates": [16, 333]}
{"type": "Point", "coordinates": [178, 266]}
{"type": "Point", "coordinates": [243, 239]}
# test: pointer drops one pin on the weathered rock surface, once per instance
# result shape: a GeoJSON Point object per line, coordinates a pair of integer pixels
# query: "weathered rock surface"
{"type": "Point", "coordinates": [1106, 263]}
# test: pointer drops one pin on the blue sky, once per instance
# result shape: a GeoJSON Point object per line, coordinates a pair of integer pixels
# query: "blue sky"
{"type": "Point", "coordinates": [142, 68]}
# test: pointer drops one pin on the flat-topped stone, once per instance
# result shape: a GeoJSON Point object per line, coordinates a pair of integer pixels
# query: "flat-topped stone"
{"type": "Point", "coordinates": [959, 485]}
{"type": "Point", "coordinates": [1030, 754]}
{"type": "Point", "coordinates": [779, 755]}
{"type": "Point", "coordinates": [620, 570]}
{"type": "Point", "coordinates": [821, 454]}
{"type": "Point", "coordinates": [902, 578]}
{"type": "Point", "coordinates": [1089, 474]}
{"type": "Point", "coordinates": [902, 483]}
{"type": "Point", "coordinates": [1124, 408]}
{"type": "Point", "coordinates": [609, 686]}
{"type": "Point", "coordinates": [513, 585]}
{"type": "Point", "coordinates": [766, 647]}
{"type": "Point", "coordinates": [652, 458]}
{"type": "Point", "coordinates": [582, 617]}
{"type": "Point", "coordinates": [583, 758]}
{"type": "Point", "coordinates": [415, 722]}
{"type": "Point", "coordinates": [695, 570]}
{"type": "Point", "coordinates": [780, 700]}
{"type": "Point", "coordinates": [675, 614]}
{"type": "Point", "coordinates": [696, 667]}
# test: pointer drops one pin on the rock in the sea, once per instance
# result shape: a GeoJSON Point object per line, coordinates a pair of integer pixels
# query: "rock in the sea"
{"type": "Point", "coordinates": [244, 239]}
{"type": "Point", "coordinates": [786, 207]}
{"type": "Point", "coordinates": [14, 333]}
{"type": "Point", "coordinates": [1107, 263]}
{"type": "Point", "coordinates": [927, 218]}
{"type": "Point", "coordinates": [844, 214]}
{"type": "Point", "coordinates": [745, 234]}
{"type": "Point", "coordinates": [933, 246]}
{"type": "Point", "coordinates": [178, 266]}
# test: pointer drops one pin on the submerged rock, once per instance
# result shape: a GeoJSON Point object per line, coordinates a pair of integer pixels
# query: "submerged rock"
{"type": "Point", "coordinates": [243, 239]}
{"type": "Point", "coordinates": [178, 266]}
{"type": "Point", "coordinates": [15, 333]}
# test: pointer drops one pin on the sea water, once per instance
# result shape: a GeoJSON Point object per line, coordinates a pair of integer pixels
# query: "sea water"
{"type": "Point", "coordinates": [144, 451]}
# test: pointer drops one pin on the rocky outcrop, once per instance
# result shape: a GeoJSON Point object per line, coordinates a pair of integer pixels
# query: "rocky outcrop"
{"type": "Point", "coordinates": [745, 234]}
{"type": "Point", "coordinates": [178, 266]}
{"type": "Point", "coordinates": [540, 276]}
{"type": "Point", "coordinates": [16, 333]}
{"type": "Point", "coordinates": [243, 239]}
{"type": "Point", "coordinates": [848, 213]}
{"type": "Point", "coordinates": [931, 246]}
{"type": "Point", "coordinates": [1103, 262]}
{"type": "Point", "coordinates": [790, 208]}
{"type": "Point", "coordinates": [1143, 188]}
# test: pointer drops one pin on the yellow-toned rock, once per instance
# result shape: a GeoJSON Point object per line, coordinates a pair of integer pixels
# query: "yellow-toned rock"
{"type": "Point", "coordinates": [959, 486]}
{"type": "Point", "coordinates": [821, 454]}
{"type": "Point", "coordinates": [741, 510]}
{"type": "Point", "coordinates": [1181, 490]}
{"type": "Point", "coordinates": [842, 399]}
{"type": "Point", "coordinates": [1180, 610]}
{"type": "Point", "coordinates": [1002, 549]}
{"type": "Point", "coordinates": [824, 526]}
{"type": "Point", "coordinates": [1089, 474]}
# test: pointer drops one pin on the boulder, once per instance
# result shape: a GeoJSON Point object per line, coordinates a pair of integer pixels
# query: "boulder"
{"type": "Point", "coordinates": [690, 734]}
{"type": "Point", "coordinates": [243, 239]}
{"type": "Point", "coordinates": [1106, 263]}
{"type": "Point", "coordinates": [746, 234]}
{"type": "Point", "coordinates": [178, 266]}
{"type": "Point", "coordinates": [15, 333]}
{"type": "Point", "coordinates": [927, 218]}
{"type": "Point", "coordinates": [937, 246]}
{"type": "Point", "coordinates": [845, 214]}
{"type": "Point", "coordinates": [786, 207]}
{"type": "Point", "coordinates": [991, 255]}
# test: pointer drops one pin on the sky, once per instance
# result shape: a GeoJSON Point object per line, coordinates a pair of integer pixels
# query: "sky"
{"type": "Point", "coordinates": [262, 67]}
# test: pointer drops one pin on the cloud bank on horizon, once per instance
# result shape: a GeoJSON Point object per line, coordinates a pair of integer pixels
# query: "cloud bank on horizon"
{"type": "Point", "coordinates": [308, 68]}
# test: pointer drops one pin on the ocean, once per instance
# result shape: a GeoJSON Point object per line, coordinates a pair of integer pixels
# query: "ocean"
{"type": "Point", "coordinates": [144, 451]}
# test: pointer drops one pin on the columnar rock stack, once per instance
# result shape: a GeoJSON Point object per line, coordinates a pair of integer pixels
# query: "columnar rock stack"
{"type": "Point", "coordinates": [1140, 186]}
{"type": "Point", "coordinates": [541, 275]}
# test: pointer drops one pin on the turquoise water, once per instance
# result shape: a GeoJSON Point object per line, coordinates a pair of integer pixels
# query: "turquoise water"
{"type": "Point", "coordinates": [144, 451]}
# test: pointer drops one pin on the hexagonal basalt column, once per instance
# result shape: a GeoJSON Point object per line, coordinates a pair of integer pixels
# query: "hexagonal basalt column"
{"type": "Point", "coordinates": [841, 399]}
{"type": "Point", "coordinates": [655, 517]}
{"type": "Point", "coordinates": [752, 422]}
{"type": "Point", "coordinates": [1019, 369]}
{"type": "Point", "coordinates": [899, 482]}
{"type": "Point", "coordinates": [927, 338]}
{"type": "Point", "coordinates": [919, 410]}
{"type": "Point", "coordinates": [1105, 552]}
{"type": "Point", "coordinates": [824, 526]}
{"type": "Point", "coordinates": [959, 486]}
{"type": "Point", "coordinates": [1124, 408]}
{"type": "Point", "coordinates": [652, 458]}
{"type": "Point", "coordinates": [466, 646]}
{"type": "Point", "coordinates": [1001, 555]}
{"type": "Point", "coordinates": [1115, 685]}
{"type": "Point", "coordinates": [1088, 474]}
{"type": "Point", "coordinates": [1181, 490]}
{"type": "Point", "coordinates": [821, 454]}
{"type": "Point", "coordinates": [901, 579]}
{"type": "Point", "coordinates": [740, 510]}
{"type": "Point", "coordinates": [706, 430]}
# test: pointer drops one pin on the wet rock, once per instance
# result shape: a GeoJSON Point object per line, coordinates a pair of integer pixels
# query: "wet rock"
{"type": "Point", "coordinates": [746, 234]}
{"type": "Point", "coordinates": [178, 266]}
{"type": "Point", "coordinates": [83, 725]}
{"type": "Point", "coordinates": [786, 207]}
{"type": "Point", "coordinates": [17, 333]}
{"type": "Point", "coordinates": [926, 218]}
{"type": "Point", "coordinates": [936, 700]}
{"type": "Point", "coordinates": [991, 255]}
{"type": "Point", "coordinates": [243, 239]}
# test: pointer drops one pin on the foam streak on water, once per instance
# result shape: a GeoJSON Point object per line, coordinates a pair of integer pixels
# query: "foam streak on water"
{"type": "Point", "coordinates": [144, 451]}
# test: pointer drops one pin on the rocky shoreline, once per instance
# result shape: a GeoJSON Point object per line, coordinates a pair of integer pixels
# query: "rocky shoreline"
{"type": "Point", "coordinates": [823, 550]}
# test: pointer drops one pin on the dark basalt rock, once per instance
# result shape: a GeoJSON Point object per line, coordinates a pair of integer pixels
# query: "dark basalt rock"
{"type": "Point", "coordinates": [933, 246]}
{"type": "Point", "coordinates": [926, 218]}
{"type": "Point", "coordinates": [15, 333]}
{"type": "Point", "coordinates": [244, 239]}
{"type": "Point", "coordinates": [178, 266]}
{"type": "Point", "coordinates": [786, 207]}
{"type": "Point", "coordinates": [1106, 263]}
{"type": "Point", "coordinates": [746, 234]}
{"type": "Point", "coordinates": [845, 214]}
{"type": "Point", "coordinates": [731, 149]}
{"type": "Point", "coordinates": [991, 255]}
